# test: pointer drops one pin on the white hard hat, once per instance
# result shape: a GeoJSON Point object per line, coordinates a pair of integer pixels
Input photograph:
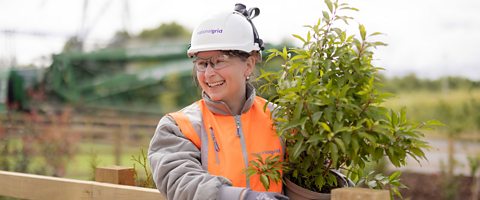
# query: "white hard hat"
{"type": "Point", "coordinates": [227, 31]}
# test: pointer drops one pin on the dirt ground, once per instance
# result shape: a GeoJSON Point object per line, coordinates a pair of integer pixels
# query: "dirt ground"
{"type": "Point", "coordinates": [435, 186]}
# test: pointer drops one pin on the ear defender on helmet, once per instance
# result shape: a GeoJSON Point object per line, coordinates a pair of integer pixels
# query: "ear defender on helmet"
{"type": "Point", "coordinates": [250, 14]}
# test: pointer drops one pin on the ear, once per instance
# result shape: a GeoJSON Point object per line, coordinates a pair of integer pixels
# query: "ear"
{"type": "Point", "coordinates": [250, 66]}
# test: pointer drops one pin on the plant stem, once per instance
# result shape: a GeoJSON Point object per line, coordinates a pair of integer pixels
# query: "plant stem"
{"type": "Point", "coordinates": [365, 107]}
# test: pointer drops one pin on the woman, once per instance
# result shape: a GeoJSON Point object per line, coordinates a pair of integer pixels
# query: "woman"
{"type": "Point", "coordinates": [202, 151]}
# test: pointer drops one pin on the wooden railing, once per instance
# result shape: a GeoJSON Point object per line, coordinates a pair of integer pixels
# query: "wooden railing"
{"type": "Point", "coordinates": [28, 186]}
{"type": "Point", "coordinates": [115, 130]}
{"type": "Point", "coordinates": [87, 124]}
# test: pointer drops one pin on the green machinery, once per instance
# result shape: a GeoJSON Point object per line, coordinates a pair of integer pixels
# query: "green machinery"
{"type": "Point", "coordinates": [148, 80]}
{"type": "Point", "coordinates": [153, 80]}
{"type": "Point", "coordinates": [15, 86]}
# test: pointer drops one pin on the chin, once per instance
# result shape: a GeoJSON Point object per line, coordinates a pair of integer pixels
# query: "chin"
{"type": "Point", "coordinates": [216, 98]}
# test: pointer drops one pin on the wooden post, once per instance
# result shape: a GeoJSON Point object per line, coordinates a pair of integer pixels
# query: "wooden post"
{"type": "Point", "coordinates": [116, 175]}
{"type": "Point", "coordinates": [124, 131]}
{"type": "Point", "coordinates": [359, 194]}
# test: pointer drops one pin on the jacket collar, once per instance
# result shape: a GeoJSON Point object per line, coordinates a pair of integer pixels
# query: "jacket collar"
{"type": "Point", "coordinates": [221, 108]}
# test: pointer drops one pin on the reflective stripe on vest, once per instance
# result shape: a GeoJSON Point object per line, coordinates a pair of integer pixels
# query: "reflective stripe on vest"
{"type": "Point", "coordinates": [232, 145]}
{"type": "Point", "coordinates": [186, 128]}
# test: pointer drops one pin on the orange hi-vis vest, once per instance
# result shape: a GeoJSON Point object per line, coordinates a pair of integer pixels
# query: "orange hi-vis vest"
{"type": "Point", "coordinates": [233, 142]}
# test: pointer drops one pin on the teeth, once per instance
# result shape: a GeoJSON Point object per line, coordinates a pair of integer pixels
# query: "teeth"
{"type": "Point", "coordinates": [215, 83]}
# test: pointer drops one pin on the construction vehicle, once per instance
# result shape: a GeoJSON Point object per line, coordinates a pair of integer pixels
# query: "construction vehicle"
{"type": "Point", "coordinates": [151, 80]}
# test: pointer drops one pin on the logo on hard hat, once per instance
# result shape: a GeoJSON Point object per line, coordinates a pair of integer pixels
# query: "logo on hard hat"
{"type": "Point", "coordinates": [212, 31]}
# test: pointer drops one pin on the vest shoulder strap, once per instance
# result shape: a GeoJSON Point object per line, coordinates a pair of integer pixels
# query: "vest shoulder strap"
{"type": "Point", "coordinates": [186, 127]}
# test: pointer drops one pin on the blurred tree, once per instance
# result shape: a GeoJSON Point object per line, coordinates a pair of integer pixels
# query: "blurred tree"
{"type": "Point", "coordinates": [166, 31]}
{"type": "Point", "coordinates": [119, 40]}
{"type": "Point", "coordinates": [73, 44]}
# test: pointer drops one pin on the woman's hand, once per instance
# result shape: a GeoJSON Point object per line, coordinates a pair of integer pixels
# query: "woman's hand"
{"type": "Point", "coordinates": [253, 195]}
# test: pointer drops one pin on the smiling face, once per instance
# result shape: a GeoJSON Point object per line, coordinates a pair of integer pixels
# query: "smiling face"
{"type": "Point", "coordinates": [227, 81]}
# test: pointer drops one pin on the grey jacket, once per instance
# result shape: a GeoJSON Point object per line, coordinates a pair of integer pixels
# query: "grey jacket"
{"type": "Point", "coordinates": [176, 163]}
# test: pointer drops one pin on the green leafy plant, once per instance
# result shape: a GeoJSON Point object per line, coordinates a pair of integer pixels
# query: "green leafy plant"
{"type": "Point", "coordinates": [380, 181]}
{"type": "Point", "coordinates": [142, 161]}
{"type": "Point", "coordinates": [93, 163]}
{"type": "Point", "coordinates": [329, 106]}
{"type": "Point", "coordinates": [268, 169]}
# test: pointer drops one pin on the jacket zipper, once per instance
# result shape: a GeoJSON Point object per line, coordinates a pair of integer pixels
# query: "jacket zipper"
{"type": "Point", "coordinates": [237, 120]}
{"type": "Point", "coordinates": [215, 145]}
{"type": "Point", "coordinates": [244, 145]}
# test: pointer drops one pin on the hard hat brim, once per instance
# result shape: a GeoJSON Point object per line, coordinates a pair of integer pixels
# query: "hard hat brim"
{"type": "Point", "coordinates": [245, 48]}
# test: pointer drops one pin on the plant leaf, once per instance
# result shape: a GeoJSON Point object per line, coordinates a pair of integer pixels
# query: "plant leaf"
{"type": "Point", "coordinates": [326, 127]}
{"type": "Point", "coordinates": [363, 32]}
{"type": "Point", "coordinates": [298, 149]}
{"type": "Point", "coordinates": [299, 37]}
{"type": "Point", "coordinates": [340, 144]}
{"type": "Point", "coordinates": [329, 5]}
{"type": "Point", "coordinates": [265, 181]}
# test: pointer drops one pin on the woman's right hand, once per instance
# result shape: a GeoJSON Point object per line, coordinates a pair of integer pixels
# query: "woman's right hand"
{"type": "Point", "coordinates": [253, 195]}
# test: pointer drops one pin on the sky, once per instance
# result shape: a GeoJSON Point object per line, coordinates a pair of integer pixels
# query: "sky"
{"type": "Point", "coordinates": [430, 38]}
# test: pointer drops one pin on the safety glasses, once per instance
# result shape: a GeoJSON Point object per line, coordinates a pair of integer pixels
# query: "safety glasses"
{"type": "Point", "coordinates": [216, 62]}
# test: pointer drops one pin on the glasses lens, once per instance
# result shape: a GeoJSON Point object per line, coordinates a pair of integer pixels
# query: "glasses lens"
{"type": "Point", "coordinates": [200, 65]}
{"type": "Point", "coordinates": [220, 61]}
{"type": "Point", "coordinates": [216, 62]}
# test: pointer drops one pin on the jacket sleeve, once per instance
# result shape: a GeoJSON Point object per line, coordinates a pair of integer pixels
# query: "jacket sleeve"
{"type": "Point", "coordinates": [176, 168]}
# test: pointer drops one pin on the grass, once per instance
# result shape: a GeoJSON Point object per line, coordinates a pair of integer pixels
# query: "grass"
{"type": "Point", "coordinates": [79, 167]}
{"type": "Point", "coordinates": [453, 108]}
{"type": "Point", "coordinates": [426, 105]}
{"type": "Point", "coordinates": [428, 99]}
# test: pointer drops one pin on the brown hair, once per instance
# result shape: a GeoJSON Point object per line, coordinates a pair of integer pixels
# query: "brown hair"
{"type": "Point", "coordinates": [244, 55]}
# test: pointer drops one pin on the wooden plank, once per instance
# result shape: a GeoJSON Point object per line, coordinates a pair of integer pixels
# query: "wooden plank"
{"type": "Point", "coordinates": [28, 186]}
{"type": "Point", "coordinates": [116, 175]}
{"type": "Point", "coordinates": [359, 194]}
